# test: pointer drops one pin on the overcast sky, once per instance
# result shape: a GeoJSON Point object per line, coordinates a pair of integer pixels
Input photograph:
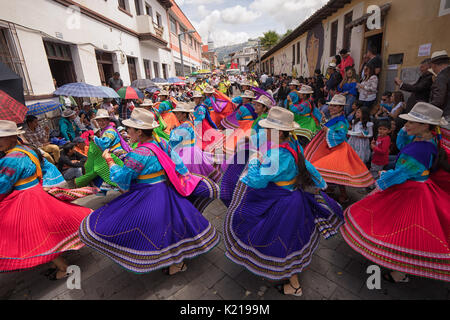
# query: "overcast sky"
{"type": "Point", "coordinates": [235, 21]}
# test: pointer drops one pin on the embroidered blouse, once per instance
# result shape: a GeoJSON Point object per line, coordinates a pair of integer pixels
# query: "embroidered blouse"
{"type": "Point", "coordinates": [337, 131]}
{"type": "Point", "coordinates": [244, 112]}
{"type": "Point", "coordinates": [182, 136]}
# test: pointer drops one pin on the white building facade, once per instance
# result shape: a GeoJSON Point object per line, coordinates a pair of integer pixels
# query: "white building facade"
{"type": "Point", "coordinates": [84, 41]}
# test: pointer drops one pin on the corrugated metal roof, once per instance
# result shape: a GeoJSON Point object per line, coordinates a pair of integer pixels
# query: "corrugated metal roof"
{"type": "Point", "coordinates": [327, 10]}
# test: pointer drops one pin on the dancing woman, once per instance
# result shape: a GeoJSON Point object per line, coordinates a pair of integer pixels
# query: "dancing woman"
{"type": "Point", "coordinates": [333, 157]}
{"type": "Point", "coordinates": [35, 227]}
{"type": "Point", "coordinates": [273, 225]}
{"type": "Point", "coordinates": [153, 225]}
{"type": "Point", "coordinates": [405, 224]}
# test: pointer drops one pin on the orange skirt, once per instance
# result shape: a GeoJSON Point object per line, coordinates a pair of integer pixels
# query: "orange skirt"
{"type": "Point", "coordinates": [231, 141]}
{"type": "Point", "coordinates": [339, 165]}
{"type": "Point", "coordinates": [171, 120]}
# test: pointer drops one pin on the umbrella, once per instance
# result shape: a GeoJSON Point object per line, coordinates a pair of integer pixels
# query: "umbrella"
{"type": "Point", "coordinates": [11, 109]}
{"type": "Point", "coordinates": [174, 80]}
{"type": "Point", "coordinates": [11, 83]}
{"type": "Point", "coordinates": [152, 90]}
{"type": "Point", "coordinates": [142, 84]}
{"type": "Point", "coordinates": [130, 93]}
{"type": "Point", "coordinates": [42, 107]}
{"type": "Point", "coordinates": [80, 90]}
{"type": "Point", "coordinates": [160, 81]}
{"type": "Point", "coordinates": [109, 92]}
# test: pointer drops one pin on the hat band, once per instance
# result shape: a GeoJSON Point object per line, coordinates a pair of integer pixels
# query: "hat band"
{"type": "Point", "coordinates": [137, 121]}
{"type": "Point", "coordinates": [9, 132]}
{"type": "Point", "coordinates": [276, 121]}
{"type": "Point", "coordinates": [421, 116]}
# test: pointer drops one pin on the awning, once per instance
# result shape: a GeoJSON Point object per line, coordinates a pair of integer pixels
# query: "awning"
{"type": "Point", "coordinates": [384, 9]}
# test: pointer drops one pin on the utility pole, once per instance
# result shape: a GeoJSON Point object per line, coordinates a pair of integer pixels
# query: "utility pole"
{"type": "Point", "coordinates": [181, 50]}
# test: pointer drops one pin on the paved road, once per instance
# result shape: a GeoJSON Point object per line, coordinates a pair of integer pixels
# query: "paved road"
{"type": "Point", "coordinates": [336, 273]}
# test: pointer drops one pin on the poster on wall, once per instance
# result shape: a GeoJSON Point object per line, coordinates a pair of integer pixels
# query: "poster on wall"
{"type": "Point", "coordinates": [314, 48]}
{"type": "Point", "coordinates": [425, 50]}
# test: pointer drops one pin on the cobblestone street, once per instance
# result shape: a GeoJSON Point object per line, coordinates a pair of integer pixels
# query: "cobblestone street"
{"type": "Point", "coordinates": [336, 273]}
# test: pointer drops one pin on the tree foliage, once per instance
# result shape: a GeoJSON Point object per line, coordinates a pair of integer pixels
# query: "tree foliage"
{"type": "Point", "coordinates": [269, 39]}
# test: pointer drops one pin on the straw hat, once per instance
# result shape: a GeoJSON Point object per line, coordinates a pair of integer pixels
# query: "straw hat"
{"type": "Point", "coordinates": [425, 113]}
{"type": "Point", "coordinates": [141, 119]}
{"type": "Point", "coordinates": [338, 100]}
{"type": "Point", "coordinates": [306, 89]}
{"type": "Point", "coordinates": [146, 103]}
{"type": "Point", "coordinates": [439, 56]}
{"type": "Point", "coordinates": [280, 119]}
{"type": "Point", "coordinates": [68, 113]}
{"type": "Point", "coordinates": [246, 83]}
{"type": "Point", "coordinates": [184, 107]}
{"type": "Point", "coordinates": [102, 114]}
{"type": "Point", "coordinates": [209, 89]}
{"type": "Point", "coordinates": [163, 93]}
{"type": "Point", "coordinates": [197, 94]}
{"type": "Point", "coordinates": [332, 65]}
{"type": "Point", "coordinates": [264, 101]}
{"type": "Point", "coordinates": [294, 82]}
{"type": "Point", "coordinates": [9, 128]}
{"type": "Point", "coordinates": [248, 94]}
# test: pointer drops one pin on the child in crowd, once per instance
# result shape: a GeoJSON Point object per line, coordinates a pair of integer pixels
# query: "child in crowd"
{"type": "Point", "coordinates": [361, 133]}
{"type": "Point", "coordinates": [381, 148]}
{"type": "Point", "coordinates": [71, 163]}
{"type": "Point", "coordinates": [386, 105]}
{"type": "Point", "coordinates": [355, 106]}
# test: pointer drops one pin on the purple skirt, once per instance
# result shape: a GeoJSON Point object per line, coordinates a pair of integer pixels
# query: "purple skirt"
{"type": "Point", "coordinates": [230, 122]}
{"type": "Point", "coordinates": [273, 232]}
{"type": "Point", "coordinates": [148, 228]}
{"type": "Point", "coordinates": [199, 162]}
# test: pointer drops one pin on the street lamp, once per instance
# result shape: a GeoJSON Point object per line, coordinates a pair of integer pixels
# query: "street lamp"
{"type": "Point", "coordinates": [181, 49]}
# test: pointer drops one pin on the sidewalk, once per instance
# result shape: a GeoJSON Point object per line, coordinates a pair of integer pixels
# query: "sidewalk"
{"type": "Point", "coordinates": [336, 273]}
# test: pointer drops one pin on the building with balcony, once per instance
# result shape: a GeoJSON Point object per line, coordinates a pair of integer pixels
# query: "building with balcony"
{"type": "Point", "coordinates": [191, 44]}
{"type": "Point", "coordinates": [79, 40]}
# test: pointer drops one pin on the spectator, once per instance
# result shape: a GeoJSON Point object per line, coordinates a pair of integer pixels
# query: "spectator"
{"type": "Point", "coordinates": [347, 61]}
{"type": "Point", "coordinates": [71, 163]}
{"type": "Point", "coordinates": [440, 91]}
{"type": "Point", "coordinates": [374, 60]}
{"type": "Point", "coordinates": [348, 88]}
{"type": "Point", "coordinates": [69, 130]}
{"type": "Point", "coordinates": [399, 105]}
{"type": "Point", "coordinates": [282, 93]}
{"type": "Point", "coordinates": [335, 78]}
{"type": "Point", "coordinates": [115, 82]}
{"type": "Point", "coordinates": [263, 80]}
{"type": "Point", "coordinates": [368, 88]}
{"type": "Point", "coordinates": [386, 105]}
{"type": "Point", "coordinates": [421, 89]}
{"type": "Point", "coordinates": [67, 102]}
{"type": "Point", "coordinates": [380, 148]}
{"type": "Point", "coordinates": [319, 85]}
{"type": "Point", "coordinates": [39, 137]}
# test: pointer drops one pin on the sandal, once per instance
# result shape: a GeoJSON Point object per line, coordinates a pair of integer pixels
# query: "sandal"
{"type": "Point", "coordinates": [388, 277]}
{"type": "Point", "coordinates": [298, 291]}
{"type": "Point", "coordinates": [182, 269]}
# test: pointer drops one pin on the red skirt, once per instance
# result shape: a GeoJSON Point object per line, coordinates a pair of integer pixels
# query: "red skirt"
{"type": "Point", "coordinates": [35, 228]}
{"type": "Point", "coordinates": [404, 228]}
{"type": "Point", "coordinates": [339, 165]}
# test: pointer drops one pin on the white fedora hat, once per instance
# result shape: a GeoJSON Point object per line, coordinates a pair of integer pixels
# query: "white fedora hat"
{"type": "Point", "coordinates": [245, 83]}
{"type": "Point", "coordinates": [306, 89]}
{"type": "Point", "coordinates": [141, 119]}
{"type": "Point", "coordinates": [184, 107]}
{"type": "Point", "coordinates": [248, 94]}
{"type": "Point", "coordinates": [9, 128]}
{"type": "Point", "coordinates": [68, 113]}
{"type": "Point", "coordinates": [439, 55]}
{"type": "Point", "coordinates": [280, 119]}
{"type": "Point", "coordinates": [197, 94]}
{"type": "Point", "coordinates": [163, 93]}
{"type": "Point", "coordinates": [295, 82]}
{"type": "Point", "coordinates": [102, 114]}
{"type": "Point", "coordinates": [265, 101]}
{"type": "Point", "coordinates": [209, 89]}
{"type": "Point", "coordinates": [332, 65]}
{"type": "Point", "coordinates": [338, 100]}
{"type": "Point", "coordinates": [425, 113]}
{"type": "Point", "coordinates": [146, 103]}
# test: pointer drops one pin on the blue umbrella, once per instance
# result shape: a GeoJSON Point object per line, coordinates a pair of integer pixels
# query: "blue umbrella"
{"type": "Point", "coordinates": [109, 92]}
{"type": "Point", "coordinates": [174, 80]}
{"type": "Point", "coordinates": [42, 107]}
{"type": "Point", "coordinates": [152, 90]}
{"type": "Point", "coordinates": [160, 81]}
{"type": "Point", "coordinates": [139, 93]}
{"type": "Point", "coordinates": [80, 90]}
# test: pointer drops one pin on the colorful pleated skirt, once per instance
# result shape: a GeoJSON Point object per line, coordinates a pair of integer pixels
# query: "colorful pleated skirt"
{"type": "Point", "coordinates": [339, 165]}
{"type": "Point", "coordinates": [200, 162]}
{"type": "Point", "coordinates": [308, 127]}
{"type": "Point", "coordinates": [273, 232]}
{"type": "Point", "coordinates": [36, 228]}
{"type": "Point", "coordinates": [405, 228]}
{"type": "Point", "coordinates": [148, 228]}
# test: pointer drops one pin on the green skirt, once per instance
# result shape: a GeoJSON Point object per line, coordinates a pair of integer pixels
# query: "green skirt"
{"type": "Point", "coordinates": [308, 127]}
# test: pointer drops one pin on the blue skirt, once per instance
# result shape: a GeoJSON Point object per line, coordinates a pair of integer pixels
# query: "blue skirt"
{"type": "Point", "coordinates": [148, 228]}
{"type": "Point", "coordinates": [273, 232]}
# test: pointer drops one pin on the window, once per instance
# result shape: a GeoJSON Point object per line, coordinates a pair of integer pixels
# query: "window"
{"type": "Point", "coordinates": [191, 41]}
{"type": "Point", "coordinates": [156, 69]}
{"type": "Point", "coordinates": [147, 67]}
{"type": "Point", "coordinates": [132, 68]}
{"type": "Point", "coordinates": [183, 30]}
{"type": "Point", "coordinates": [148, 10]}
{"type": "Point", "coordinates": [298, 53]}
{"type": "Point", "coordinates": [137, 3]}
{"type": "Point", "coordinates": [10, 56]}
{"type": "Point", "coordinates": [347, 31]}
{"type": "Point", "coordinates": [173, 25]}
{"type": "Point", "coordinates": [445, 8]}
{"type": "Point", "coordinates": [123, 5]}
{"type": "Point", "coordinates": [293, 55]}
{"type": "Point", "coordinates": [158, 19]}
{"type": "Point", "coordinates": [334, 35]}
{"type": "Point", "coordinates": [164, 68]}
